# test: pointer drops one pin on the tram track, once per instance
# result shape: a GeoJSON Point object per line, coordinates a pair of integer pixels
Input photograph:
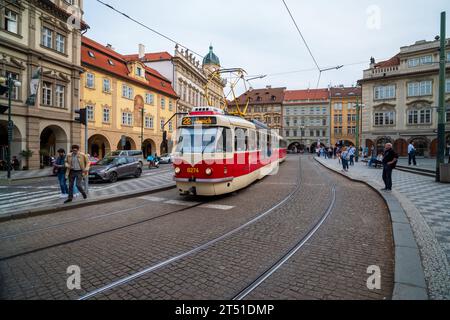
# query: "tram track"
{"type": "Point", "coordinates": [195, 250]}
{"type": "Point", "coordinates": [21, 254]}
{"type": "Point", "coordinates": [92, 218]}
{"type": "Point", "coordinates": [286, 257]}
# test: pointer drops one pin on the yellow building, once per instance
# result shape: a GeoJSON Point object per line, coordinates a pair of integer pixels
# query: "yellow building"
{"type": "Point", "coordinates": [124, 98]}
{"type": "Point", "coordinates": [343, 114]}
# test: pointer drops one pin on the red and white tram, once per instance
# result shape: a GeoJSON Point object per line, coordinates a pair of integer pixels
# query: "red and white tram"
{"type": "Point", "coordinates": [216, 153]}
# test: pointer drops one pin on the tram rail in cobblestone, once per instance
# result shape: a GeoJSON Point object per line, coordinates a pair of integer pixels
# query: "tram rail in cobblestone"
{"type": "Point", "coordinates": [285, 258]}
{"type": "Point", "coordinates": [195, 250]}
{"type": "Point", "coordinates": [102, 232]}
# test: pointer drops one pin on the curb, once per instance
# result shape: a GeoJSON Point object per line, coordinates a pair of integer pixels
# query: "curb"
{"type": "Point", "coordinates": [409, 277]}
{"type": "Point", "coordinates": [75, 205]}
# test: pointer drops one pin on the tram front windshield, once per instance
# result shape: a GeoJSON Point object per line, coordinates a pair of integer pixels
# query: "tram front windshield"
{"type": "Point", "coordinates": [201, 140]}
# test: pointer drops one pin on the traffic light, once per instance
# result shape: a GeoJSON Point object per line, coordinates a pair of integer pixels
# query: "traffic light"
{"type": "Point", "coordinates": [3, 109]}
{"type": "Point", "coordinates": [81, 118]}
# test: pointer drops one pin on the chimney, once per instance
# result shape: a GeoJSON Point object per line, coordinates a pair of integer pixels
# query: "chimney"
{"type": "Point", "coordinates": [372, 62]}
{"type": "Point", "coordinates": [109, 46]}
{"type": "Point", "coordinates": [141, 51]}
{"type": "Point", "coordinates": [268, 87]}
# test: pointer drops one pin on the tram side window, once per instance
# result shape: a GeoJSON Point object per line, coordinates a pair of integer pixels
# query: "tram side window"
{"type": "Point", "coordinates": [225, 141]}
{"type": "Point", "coordinates": [269, 145]}
{"type": "Point", "coordinates": [258, 139]}
{"type": "Point", "coordinates": [251, 140]}
{"type": "Point", "coordinates": [240, 140]}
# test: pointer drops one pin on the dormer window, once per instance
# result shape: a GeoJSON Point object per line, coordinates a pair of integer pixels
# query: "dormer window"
{"type": "Point", "coordinates": [139, 71]}
{"type": "Point", "coordinates": [110, 62]}
{"type": "Point", "coordinates": [91, 54]}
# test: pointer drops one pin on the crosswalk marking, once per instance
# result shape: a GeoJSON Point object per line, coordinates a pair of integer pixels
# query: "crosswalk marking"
{"type": "Point", "coordinates": [40, 199]}
{"type": "Point", "coordinates": [216, 206]}
{"type": "Point", "coordinates": [187, 203]}
{"type": "Point", "coordinates": [181, 203]}
{"type": "Point", "coordinates": [152, 199]}
{"type": "Point", "coordinates": [23, 198]}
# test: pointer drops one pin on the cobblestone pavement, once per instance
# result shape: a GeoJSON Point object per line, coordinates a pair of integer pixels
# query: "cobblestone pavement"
{"type": "Point", "coordinates": [143, 237]}
{"type": "Point", "coordinates": [431, 224]}
{"type": "Point", "coordinates": [45, 191]}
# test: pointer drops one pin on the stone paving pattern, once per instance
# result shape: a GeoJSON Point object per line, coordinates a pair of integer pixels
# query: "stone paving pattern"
{"type": "Point", "coordinates": [431, 225]}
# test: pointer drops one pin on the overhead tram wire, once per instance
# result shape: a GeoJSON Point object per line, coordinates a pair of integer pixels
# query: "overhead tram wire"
{"type": "Point", "coordinates": [147, 27]}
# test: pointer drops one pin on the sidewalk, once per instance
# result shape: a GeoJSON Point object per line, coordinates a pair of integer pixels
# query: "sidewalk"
{"type": "Point", "coordinates": [29, 174]}
{"type": "Point", "coordinates": [427, 206]}
{"type": "Point", "coordinates": [422, 163]}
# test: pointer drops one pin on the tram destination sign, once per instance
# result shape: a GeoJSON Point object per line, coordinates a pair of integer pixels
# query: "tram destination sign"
{"type": "Point", "coordinates": [189, 121]}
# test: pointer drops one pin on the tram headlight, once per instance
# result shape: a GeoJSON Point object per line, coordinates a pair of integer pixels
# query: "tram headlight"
{"type": "Point", "coordinates": [177, 170]}
{"type": "Point", "coordinates": [208, 171]}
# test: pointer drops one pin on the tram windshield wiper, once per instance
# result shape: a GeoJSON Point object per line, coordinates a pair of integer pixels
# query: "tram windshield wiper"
{"type": "Point", "coordinates": [212, 140]}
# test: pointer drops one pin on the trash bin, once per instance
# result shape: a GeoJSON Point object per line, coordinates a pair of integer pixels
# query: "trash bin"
{"type": "Point", "coordinates": [445, 172]}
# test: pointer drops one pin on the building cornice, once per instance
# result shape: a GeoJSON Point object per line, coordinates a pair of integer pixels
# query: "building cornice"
{"type": "Point", "coordinates": [126, 79]}
{"type": "Point", "coordinates": [402, 75]}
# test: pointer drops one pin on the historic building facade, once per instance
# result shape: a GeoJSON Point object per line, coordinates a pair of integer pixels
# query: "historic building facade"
{"type": "Point", "coordinates": [343, 117]}
{"type": "Point", "coordinates": [124, 98]}
{"type": "Point", "coordinates": [264, 105]}
{"type": "Point", "coordinates": [189, 77]}
{"type": "Point", "coordinates": [306, 118]}
{"type": "Point", "coordinates": [401, 97]}
{"type": "Point", "coordinates": [36, 39]}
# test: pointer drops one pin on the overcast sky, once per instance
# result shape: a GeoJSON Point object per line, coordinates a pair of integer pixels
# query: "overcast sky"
{"type": "Point", "coordinates": [259, 36]}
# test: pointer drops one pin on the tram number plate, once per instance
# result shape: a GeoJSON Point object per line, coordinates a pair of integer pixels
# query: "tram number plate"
{"type": "Point", "coordinates": [189, 121]}
{"type": "Point", "coordinates": [193, 170]}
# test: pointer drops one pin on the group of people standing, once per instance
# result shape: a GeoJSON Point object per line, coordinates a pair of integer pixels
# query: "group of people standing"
{"type": "Point", "coordinates": [72, 167]}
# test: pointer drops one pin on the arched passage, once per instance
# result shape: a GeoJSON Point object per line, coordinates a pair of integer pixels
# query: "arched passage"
{"type": "Point", "coordinates": [52, 138]}
{"type": "Point", "coordinates": [401, 147]}
{"type": "Point", "coordinates": [421, 145]}
{"type": "Point", "coordinates": [149, 147]}
{"type": "Point", "coordinates": [99, 146]}
{"type": "Point", "coordinates": [16, 142]}
{"type": "Point", "coordinates": [129, 144]}
{"type": "Point", "coordinates": [381, 142]}
{"type": "Point", "coordinates": [296, 147]}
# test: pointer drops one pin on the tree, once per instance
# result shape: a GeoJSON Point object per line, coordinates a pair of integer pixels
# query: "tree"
{"type": "Point", "coordinates": [26, 154]}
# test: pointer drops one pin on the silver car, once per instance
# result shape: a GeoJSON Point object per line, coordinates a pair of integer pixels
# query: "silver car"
{"type": "Point", "coordinates": [113, 168]}
{"type": "Point", "coordinates": [137, 154]}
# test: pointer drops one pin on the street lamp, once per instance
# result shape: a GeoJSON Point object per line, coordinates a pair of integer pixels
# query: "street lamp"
{"type": "Point", "coordinates": [10, 84]}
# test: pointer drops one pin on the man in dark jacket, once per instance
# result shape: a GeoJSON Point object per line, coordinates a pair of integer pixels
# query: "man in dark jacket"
{"type": "Point", "coordinates": [389, 163]}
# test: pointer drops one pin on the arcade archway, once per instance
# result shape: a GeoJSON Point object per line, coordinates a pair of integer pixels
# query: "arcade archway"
{"type": "Point", "coordinates": [401, 147]}
{"type": "Point", "coordinates": [52, 138]}
{"type": "Point", "coordinates": [99, 146]}
{"type": "Point", "coordinates": [129, 144]}
{"type": "Point", "coordinates": [149, 147]}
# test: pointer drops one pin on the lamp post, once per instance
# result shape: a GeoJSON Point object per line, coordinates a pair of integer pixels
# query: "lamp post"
{"type": "Point", "coordinates": [358, 108]}
{"type": "Point", "coordinates": [142, 128]}
{"type": "Point", "coordinates": [10, 84]}
{"type": "Point", "coordinates": [440, 159]}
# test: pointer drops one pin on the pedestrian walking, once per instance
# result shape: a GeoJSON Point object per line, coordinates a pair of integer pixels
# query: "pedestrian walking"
{"type": "Point", "coordinates": [351, 152]}
{"type": "Point", "coordinates": [59, 168]}
{"type": "Point", "coordinates": [390, 159]}
{"type": "Point", "coordinates": [345, 158]}
{"type": "Point", "coordinates": [77, 165]}
{"type": "Point", "coordinates": [412, 154]}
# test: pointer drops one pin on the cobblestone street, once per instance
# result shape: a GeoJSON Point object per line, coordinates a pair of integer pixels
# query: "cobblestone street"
{"type": "Point", "coordinates": [427, 205]}
{"type": "Point", "coordinates": [209, 248]}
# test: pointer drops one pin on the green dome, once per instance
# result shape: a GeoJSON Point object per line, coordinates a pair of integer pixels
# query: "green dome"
{"type": "Point", "coordinates": [211, 58]}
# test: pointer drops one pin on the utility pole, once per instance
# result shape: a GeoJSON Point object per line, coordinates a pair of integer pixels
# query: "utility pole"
{"type": "Point", "coordinates": [10, 125]}
{"type": "Point", "coordinates": [441, 108]}
{"type": "Point", "coordinates": [142, 128]}
{"type": "Point", "coordinates": [86, 147]}
{"type": "Point", "coordinates": [358, 108]}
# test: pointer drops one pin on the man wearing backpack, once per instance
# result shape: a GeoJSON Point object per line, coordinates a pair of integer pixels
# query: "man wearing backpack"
{"type": "Point", "coordinates": [389, 163]}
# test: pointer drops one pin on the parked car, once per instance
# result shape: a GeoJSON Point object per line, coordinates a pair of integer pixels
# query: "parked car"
{"type": "Point", "coordinates": [113, 168]}
{"type": "Point", "coordinates": [166, 158]}
{"type": "Point", "coordinates": [138, 154]}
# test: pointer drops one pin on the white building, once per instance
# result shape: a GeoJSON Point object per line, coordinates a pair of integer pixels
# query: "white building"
{"type": "Point", "coordinates": [401, 99]}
